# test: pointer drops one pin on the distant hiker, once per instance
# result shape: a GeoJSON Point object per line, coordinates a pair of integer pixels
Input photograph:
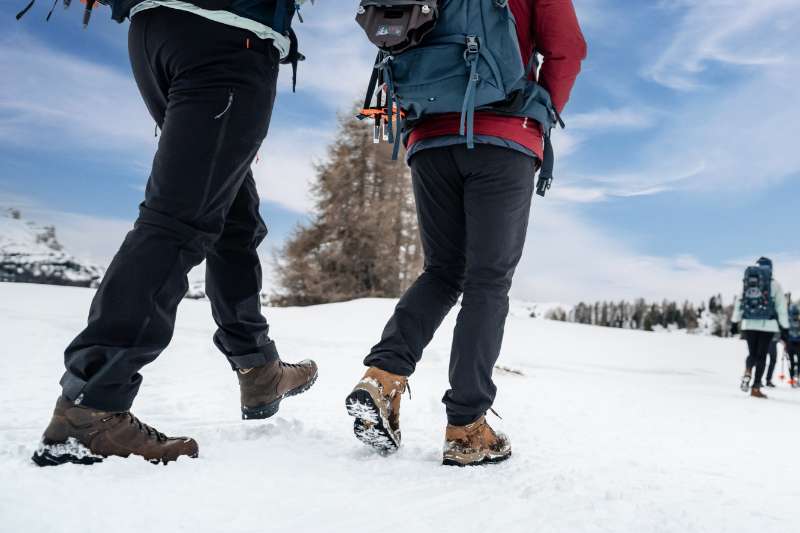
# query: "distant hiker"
{"type": "Point", "coordinates": [473, 178]}
{"type": "Point", "coordinates": [793, 345]}
{"type": "Point", "coordinates": [207, 70]}
{"type": "Point", "coordinates": [759, 314]}
{"type": "Point", "coordinates": [773, 359]}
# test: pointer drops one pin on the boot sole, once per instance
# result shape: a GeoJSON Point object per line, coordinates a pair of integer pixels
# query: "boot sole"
{"type": "Point", "coordinates": [73, 452]}
{"type": "Point", "coordinates": [370, 426]}
{"type": "Point", "coordinates": [488, 460]}
{"type": "Point", "coordinates": [271, 409]}
{"type": "Point", "coordinates": [60, 453]}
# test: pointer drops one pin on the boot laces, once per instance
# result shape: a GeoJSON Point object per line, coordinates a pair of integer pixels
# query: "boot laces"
{"type": "Point", "coordinates": [150, 430]}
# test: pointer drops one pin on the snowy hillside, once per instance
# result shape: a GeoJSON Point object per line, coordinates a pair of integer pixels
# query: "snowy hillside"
{"type": "Point", "coordinates": [612, 431]}
{"type": "Point", "coordinates": [30, 253]}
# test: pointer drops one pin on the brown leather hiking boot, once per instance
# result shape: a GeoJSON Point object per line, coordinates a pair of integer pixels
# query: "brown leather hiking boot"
{"type": "Point", "coordinates": [375, 405]}
{"type": "Point", "coordinates": [83, 435]}
{"type": "Point", "coordinates": [475, 444]}
{"type": "Point", "coordinates": [756, 393]}
{"type": "Point", "coordinates": [264, 387]}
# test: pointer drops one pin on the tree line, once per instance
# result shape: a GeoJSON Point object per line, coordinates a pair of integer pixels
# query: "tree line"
{"type": "Point", "coordinates": [712, 317]}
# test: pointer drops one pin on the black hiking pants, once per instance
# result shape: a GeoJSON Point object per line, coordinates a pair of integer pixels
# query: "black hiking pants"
{"type": "Point", "coordinates": [473, 208]}
{"type": "Point", "coordinates": [758, 344]}
{"type": "Point", "coordinates": [212, 99]}
{"type": "Point", "coordinates": [793, 351]}
{"type": "Point", "coordinates": [773, 359]}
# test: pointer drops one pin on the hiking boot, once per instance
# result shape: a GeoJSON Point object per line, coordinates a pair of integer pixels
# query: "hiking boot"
{"type": "Point", "coordinates": [770, 384]}
{"type": "Point", "coordinates": [83, 435]}
{"type": "Point", "coordinates": [263, 388]}
{"type": "Point", "coordinates": [745, 385]}
{"type": "Point", "coordinates": [475, 444]}
{"type": "Point", "coordinates": [756, 393]}
{"type": "Point", "coordinates": [375, 405]}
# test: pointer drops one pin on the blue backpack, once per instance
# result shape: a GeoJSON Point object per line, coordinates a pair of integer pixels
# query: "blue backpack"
{"type": "Point", "coordinates": [794, 323]}
{"type": "Point", "coordinates": [451, 56]}
{"type": "Point", "coordinates": [757, 300]}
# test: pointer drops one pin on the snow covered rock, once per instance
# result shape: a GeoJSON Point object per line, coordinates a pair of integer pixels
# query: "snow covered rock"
{"type": "Point", "coordinates": [30, 253]}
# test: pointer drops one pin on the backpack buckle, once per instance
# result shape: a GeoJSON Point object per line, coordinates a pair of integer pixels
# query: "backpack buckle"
{"type": "Point", "coordinates": [473, 44]}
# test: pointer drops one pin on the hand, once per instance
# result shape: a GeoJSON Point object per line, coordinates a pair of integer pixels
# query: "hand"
{"type": "Point", "coordinates": [734, 329]}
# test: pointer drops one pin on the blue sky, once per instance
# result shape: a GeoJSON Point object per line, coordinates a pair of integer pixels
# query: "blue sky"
{"type": "Point", "coordinates": [678, 165]}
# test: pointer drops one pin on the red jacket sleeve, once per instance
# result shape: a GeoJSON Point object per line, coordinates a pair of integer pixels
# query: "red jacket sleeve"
{"type": "Point", "coordinates": [560, 40]}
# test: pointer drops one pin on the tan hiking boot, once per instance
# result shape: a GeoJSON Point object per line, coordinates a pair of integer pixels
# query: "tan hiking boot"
{"type": "Point", "coordinates": [82, 435]}
{"type": "Point", "coordinates": [263, 388]}
{"type": "Point", "coordinates": [756, 393]}
{"type": "Point", "coordinates": [375, 405]}
{"type": "Point", "coordinates": [475, 444]}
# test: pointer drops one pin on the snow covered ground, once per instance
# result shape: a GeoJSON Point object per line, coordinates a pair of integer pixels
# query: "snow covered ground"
{"type": "Point", "coordinates": [612, 431]}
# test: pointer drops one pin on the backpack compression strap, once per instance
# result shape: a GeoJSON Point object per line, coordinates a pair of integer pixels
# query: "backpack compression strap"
{"type": "Point", "coordinates": [467, 126]}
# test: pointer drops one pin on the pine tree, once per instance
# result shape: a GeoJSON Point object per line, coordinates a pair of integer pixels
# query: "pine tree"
{"type": "Point", "coordinates": [363, 240]}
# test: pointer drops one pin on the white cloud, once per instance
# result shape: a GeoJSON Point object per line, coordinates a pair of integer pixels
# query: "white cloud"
{"type": "Point", "coordinates": [604, 119]}
{"type": "Point", "coordinates": [736, 32]}
{"type": "Point", "coordinates": [339, 58]}
{"type": "Point", "coordinates": [728, 132]}
{"type": "Point", "coordinates": [285, 169]}
{"type": "Point", "coordinates": [569, 259]}
{"type": "Point", "coordinates": [50, 99]}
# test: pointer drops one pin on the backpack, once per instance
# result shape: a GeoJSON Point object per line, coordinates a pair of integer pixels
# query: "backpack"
{"type": "Point", "coordinates": [794, 323]}
{"type": "Point", "coordinates": [757, 301]}
{"type": "Point", "coordinates": [451, 56]}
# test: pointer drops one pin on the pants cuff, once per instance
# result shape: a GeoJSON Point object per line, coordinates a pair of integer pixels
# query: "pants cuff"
{"type": "Point", "coordinates": [110, 399]}
{"type": "Point", "coordinates": [462, 420]}
{"type": "Point", "coordinates": [265, 355]}
{"type": "Point", "coordinates": [72, 386]}
{"type": "Point", "coordinates": [388, 362]}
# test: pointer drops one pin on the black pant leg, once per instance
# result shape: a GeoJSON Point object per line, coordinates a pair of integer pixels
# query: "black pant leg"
{"type": "Point", "coordinates": [438, 190]}
{"type": "Point", "coordinates": [219, 101]}
{"type": "Point", "coordinates": [498, 190]}
{"type": "Point", "coordinates": [759, 343]}
{"type": "Point", "coordinates": [773, 359]}
{"type": "Point", "coordinates": [233, 284]}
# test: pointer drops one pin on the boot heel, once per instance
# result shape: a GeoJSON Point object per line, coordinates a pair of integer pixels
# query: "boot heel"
{"type": "Point", "coordinates": [260, 413]}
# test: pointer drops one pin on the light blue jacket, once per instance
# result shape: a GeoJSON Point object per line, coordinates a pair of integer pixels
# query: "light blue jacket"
{"type": "Point", "coordinates": [772, 326]}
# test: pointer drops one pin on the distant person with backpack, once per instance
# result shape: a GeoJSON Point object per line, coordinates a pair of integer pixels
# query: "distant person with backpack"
{"type": "Point", "coordinates": [459, 86]}
{"type": "Point", "coordinates": [793, 345]}
{"type": "Point", "coordinates": [207, 71]}
{"type": "Point", "coordinates": [760, 313]}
